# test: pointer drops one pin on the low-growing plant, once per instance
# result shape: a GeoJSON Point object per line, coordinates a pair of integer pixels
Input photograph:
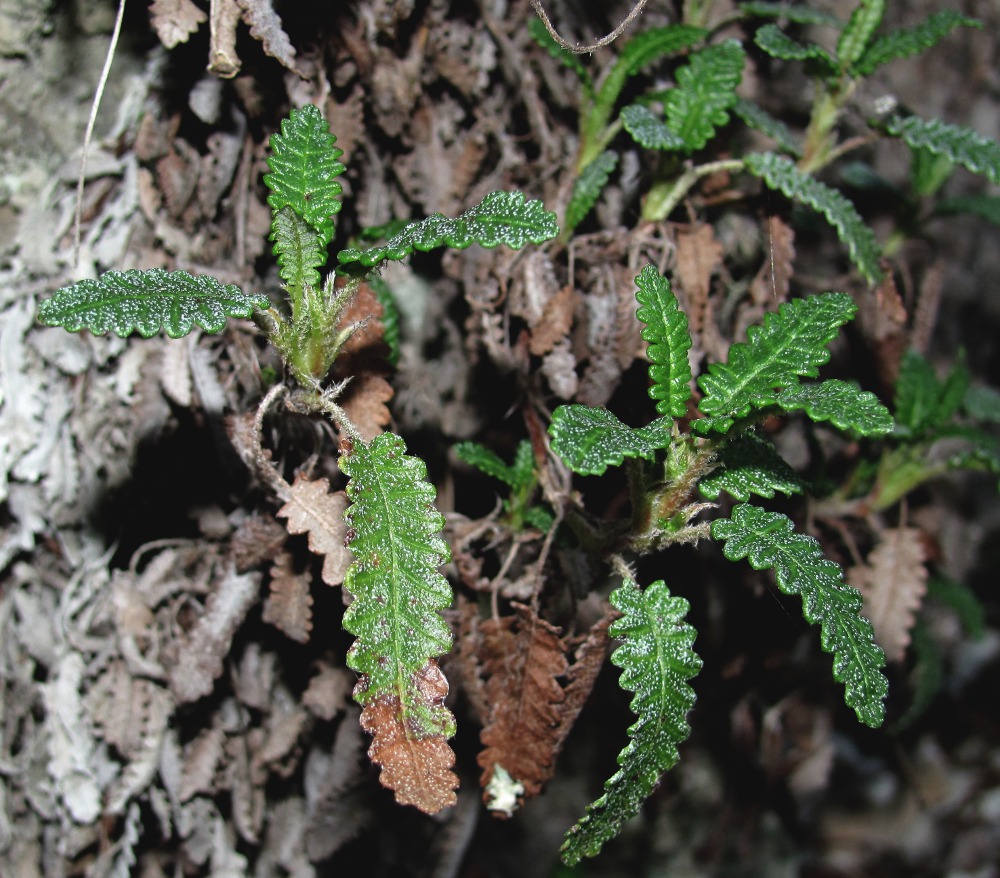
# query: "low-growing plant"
{"type": "Point", "coordinates": [693, 472]}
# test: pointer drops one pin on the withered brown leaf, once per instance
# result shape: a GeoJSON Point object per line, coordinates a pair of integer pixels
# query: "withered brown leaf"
{"type": "Point", "coordinates": [175, 20]}
{"type": "Point", "coordinates": [288, 606]}
{"type": "Point", "coordinates": [417, 769]}
{"type": "Point", "coordinates": [522, 656]}
{"type": "Point", "coordinates": [312, 509]}
{"type": "Point", "coordinates": [893, 583]}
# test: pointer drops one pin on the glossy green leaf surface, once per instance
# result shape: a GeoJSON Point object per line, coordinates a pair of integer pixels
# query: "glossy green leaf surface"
{"type": "Point", "coordinates": [963, 146]}
{"type": "Point", "coordinates": [500, 218]}
{"type": "Point", "coordinates": [843, 404]}
{"type": "Point", "coordinates": [298, 249]}
{"type": "Point", "coordinates": [589, 440]}
{"type": "Point", "coordinates": [304, 167]}
{"type": "Point", "coordinates": [648, 130]}
{"type": "Point", "coordinates": [788, 344]}
{"type": "Point", "coordinates": [749, 464]}
{"type": "Point", "coordinates": [665, 329]}
{"type": "Point", "coordinates": [706, 89]}
{"type": "Point", "coordinates": [398, 590]}
{"type": "Point", "coordinates": [657, 659]}
{"type": "Point", "coordinates": [148, 302]}
{"type": "Point", "coordinates": [780, 173]}
{"type": "Point", "coordinates": [588, 187]}
{"type": "Point", "coordinates": [768, 541]}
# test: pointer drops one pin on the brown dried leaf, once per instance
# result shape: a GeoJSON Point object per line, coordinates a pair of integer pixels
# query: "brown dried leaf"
{"type": "Point", "coordinates": [328, 691]}
{"type": "Point", "coordinates": [521, 656]}
{"type": "Point", "coordinates": [893, 583]}
{"type": "Point", "coordinates": [201, 760]}
{"type": "Point", "coordinates": [222, 58]}
{"type": "Point", "coordinates": [175, 20]}
{"type": "Point", "coordinates": [256, 539]}
{"type": "Point", "coordinates": [126, 709]}
{"type": "Point", "coordinates": [582, 674]}
{"type": "Point", "coordinates": [198, 657]}
{"type": "Point", "coordinates": [282, 737]}
{"type": "Point", "coordinates": [698, 255]}
{"type": "Point", "coordinates": [417, 769]}
{"type": "Point", "coordinates": [265, 25]}
{"type": "Point", "coordinates": [312, 509]}
{"type": "Point", "coordinates": [774, 278]}
{"type": "Point", "coordinates": [289, 605]}
{"type": "Point", "coordinates": [555, 321]}
{"type": "Point", "coordinates": [365, 404]}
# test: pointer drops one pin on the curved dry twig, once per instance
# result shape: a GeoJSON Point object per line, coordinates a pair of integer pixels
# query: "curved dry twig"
{"type": "Point", "coordinates": [590, 47]}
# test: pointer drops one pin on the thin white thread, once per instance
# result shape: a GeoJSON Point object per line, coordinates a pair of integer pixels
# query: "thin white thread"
{"type": "Point", "coordinates": [603, 41]}
{"type": "Point", "coordinates": [91, 122]}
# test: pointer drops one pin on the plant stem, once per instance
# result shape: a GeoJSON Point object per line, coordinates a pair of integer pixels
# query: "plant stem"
{"type": "Point", "coordinates": [663, 197]}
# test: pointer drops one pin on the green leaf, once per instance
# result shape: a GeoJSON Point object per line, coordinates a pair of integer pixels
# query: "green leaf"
{"type": "Point", "coordinates": [749, 465]}
{"type": "Point", "coordinates": [780, 173]}
{"type": "Point", "coordinates": [587, 189]}
{"type": "Point", "coordinates": [857, 34]}
{"type": "Point", "coordinates": [961, 145]}
{"type": "Point", "coordinates": [544, 39]}
{"type": "Point", "coordinates": [928, 172]}
{"type": "Point", "coordinates": [398, 591]}
{"type": "Point", "coordinates": [706, 89]}
{"type": "Point", "coordinates": [390, 316]}
{"type": "Point", "coordinates": [922, 402]}
{"type": "Point", "coordinates": [983, 404]}
{"type": "Point", "coordinates": [655, 43]}
{"type": "Point", "coordinates": [986, 207]}
{"type": "Point", "coordinates": [789, 344]}
{"type": "Point", "coordinates": [666, 330]}
{"type": "Point", "coordinates": [840, 403]}
{"type": "Point", "coordinates": [657, 659]}
{"type": "Point", "coordinates": [907, 42]}
{"type": "Point", "coordinates": [589, 440]}
{"type": "Point", "coordinates": [776, 43]}
{"type": "Point", "coordinates": [648, 130]}
{"type": "Point", "coordinates": [298, 248]}
{"type": "Point", "coordinates": [148, 301]}
{"type": "Point", "coordinates": [789, 12]}
{"type": "Point", "coordinates": [760, 120]}
{"type": "Point", "coordinates": [303, 163]}
{"type": "Point", "coordinates": [500, 218]}
{"type": "Point", "coordinates": [487, 462]}
{"type": "Point", "coordinates": [767, 540]}
{"type": "Point", "coordinates": [963, 600]}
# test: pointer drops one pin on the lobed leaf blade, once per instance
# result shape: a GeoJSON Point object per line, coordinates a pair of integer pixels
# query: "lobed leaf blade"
{"type": "Point", "coordinates": [906, 42]}
{"type": "Point", "coordinates": [395, 616]}
{"type": "Point", "coordinates": [648, 130]}
{"type": "Point", "coordinates": [964, 146]}
{"type": "Point", "coordinates": [776, 43]}
{"type": "Point", "coordinates": [857, 33]}
{"type": "Point", "coordinates": [841, 403]}
{"type": "Point", "coordinates": [768, 540]}
{"type": "Point", "coordinates": [706, 89]}
{"type": "Point", "coordinates": [657, 659]}
{"type": "Point", "coordinates": [760, 120]}
{"type": "Point", "coordinates": [780, 173]}
{"type": "Point", "coordinates": [922, 402]}
{"type": "Point", "coordinates": [749, 464]}
{"type": "Point", "coordinates": [666, 331]}
{"type": "Point", "coordinates": [303, 164]}
{"type": "Point", "coordinates": [298, 249]}
{"type": "Point", "coordinates": [148, 301]}
{"type": "Point", "coordinates": [589, 440]}
{"type": "Point", "coordinates": [788, 344]}
{"type": "Point", "coordinates": [500, 218]}
{"type": "Point", "coordinates": [587, 189]}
